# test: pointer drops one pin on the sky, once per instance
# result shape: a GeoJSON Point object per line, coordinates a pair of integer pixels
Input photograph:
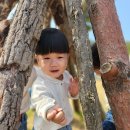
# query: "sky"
{"type": "Point", "coordinates": [123, 11]}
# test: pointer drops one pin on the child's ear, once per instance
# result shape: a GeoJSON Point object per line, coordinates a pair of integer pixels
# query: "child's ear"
{"type": "Point", "coordinates": [37, 59]}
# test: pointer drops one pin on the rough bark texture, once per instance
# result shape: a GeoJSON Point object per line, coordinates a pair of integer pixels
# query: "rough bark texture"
{"type": "Point", "coordinates": [4, 27]}
{"type": "Point", "coordinates": [5, 7]}
{"type": "Point", "coordinates": [17, 58]}
{"type": "Point", "coordinates": [88, 95]}
{"type": "Point", "coordinates": [47, 19]}
{"type": "Point", "coordinates": [114, 59]}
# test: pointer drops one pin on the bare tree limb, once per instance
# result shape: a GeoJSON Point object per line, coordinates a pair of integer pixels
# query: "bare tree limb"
{"type": "Point", "coordinates": [114, 59]}
{"type": "Point", "coordinates": [88, 95]}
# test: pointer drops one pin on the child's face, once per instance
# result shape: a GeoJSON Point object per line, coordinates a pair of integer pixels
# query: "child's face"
{"type": "Point", "coordinates": [53, 64]}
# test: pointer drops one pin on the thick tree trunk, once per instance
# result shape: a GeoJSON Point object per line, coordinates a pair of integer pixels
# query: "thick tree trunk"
{"type": "Point", "coordinates": [17, 58]}
{"type": "Point", "coordinates": [5, 7]}
{"type": "Point", "coordinates": [47, 19]}
{"type": "Point", "coordinates": [88, 95]}
{"type": "Point", "coordinates": [114, 59]}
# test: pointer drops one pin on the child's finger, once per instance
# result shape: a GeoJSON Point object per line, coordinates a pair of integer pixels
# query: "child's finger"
{"type": "Point", "coordinates": [51, 114]}
{"type": "Point", "coordinates": [59, 109]}
{"type": "Point", "coordinates": [63, 122]}
{"type": "Point", "coordinates": [59, 115]}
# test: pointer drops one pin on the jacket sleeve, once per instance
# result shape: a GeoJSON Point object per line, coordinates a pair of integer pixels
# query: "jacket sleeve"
{"type": "Point", "coordinates": [41, 99]}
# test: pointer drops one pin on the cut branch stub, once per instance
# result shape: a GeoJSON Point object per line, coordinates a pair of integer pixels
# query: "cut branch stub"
{"type": "Point", "coordinates": [109, 71]}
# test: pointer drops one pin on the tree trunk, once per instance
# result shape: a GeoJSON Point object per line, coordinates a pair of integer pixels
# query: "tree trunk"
{"type": "Point", "coordinates": [17, 58]}
{"type": "Point", "coordinates": [5, 7]}
{"type": "Point", "coordinates": [114, 59]}
{"type": "Point", "coordinates": [47, 19]}
{"type": "Point", "coordinates": [88, 94]}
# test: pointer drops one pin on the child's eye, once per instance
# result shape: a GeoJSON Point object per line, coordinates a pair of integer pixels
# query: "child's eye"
{"type": "Point", "coordinates": [46, 58]}
{"type": "Point", "coordinates": [60, 57]}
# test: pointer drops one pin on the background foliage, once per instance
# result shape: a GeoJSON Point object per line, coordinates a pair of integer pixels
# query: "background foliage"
{"type": "Point", "coordinates": [128, 46]}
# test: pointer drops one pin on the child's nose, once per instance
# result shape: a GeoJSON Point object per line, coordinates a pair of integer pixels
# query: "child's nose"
{"type": "Point", "coordinates": [54, 62]}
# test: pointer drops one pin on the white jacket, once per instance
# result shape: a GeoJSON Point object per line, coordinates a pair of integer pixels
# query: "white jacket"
{"type": "Point", "coordinates": [46, 92]}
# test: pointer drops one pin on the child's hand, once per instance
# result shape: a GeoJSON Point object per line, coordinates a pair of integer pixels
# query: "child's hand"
{"type": "Point", "coordinates": [74, 87]}
{"type": "Point", "coordinates": [56, 115]}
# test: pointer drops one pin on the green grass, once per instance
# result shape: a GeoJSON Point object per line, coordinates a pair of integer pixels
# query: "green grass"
{"type": "Point", "coordinates": [30, 114]}
{"type": "Point", "coordinates": [128, 46]}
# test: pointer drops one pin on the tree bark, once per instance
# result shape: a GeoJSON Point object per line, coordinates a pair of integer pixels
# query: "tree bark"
{"type": "Point", "coordinates": [17, 58]}
{"type": "Point", "coordinates": [88, 94]}
{"type": "Point", "coordinates": [114, 59]}
{"type": "Point", "coordinates": [5, 7]}
{"type": "Point", "coordinates": [47, 19]}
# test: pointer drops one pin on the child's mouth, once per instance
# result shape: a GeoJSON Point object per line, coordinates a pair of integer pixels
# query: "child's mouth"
{"type": "Point", "coordinates": [53, 71]}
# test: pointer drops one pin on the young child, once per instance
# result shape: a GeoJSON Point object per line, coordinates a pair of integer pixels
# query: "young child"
{"type": "Point", "coordinates": [108, 123]}
{"type": "Point", "coordinates": [54, 84]}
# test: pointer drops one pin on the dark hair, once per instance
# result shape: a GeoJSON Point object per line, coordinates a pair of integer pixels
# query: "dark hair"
{"type": "Point", "coordinates": [52, 40]}
{"type": "Point", "coordinates": [95, 57]}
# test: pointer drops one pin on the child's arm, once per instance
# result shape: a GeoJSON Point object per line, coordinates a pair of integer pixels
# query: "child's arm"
{"type": "Point", "coordinates": [56, 115]}
{"type": "Point", "coordinates": [41, 99]}
{"type": "Point", "coordinates": [45, 105]}
{"type": "Point", "coordinates": [74, 87]}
